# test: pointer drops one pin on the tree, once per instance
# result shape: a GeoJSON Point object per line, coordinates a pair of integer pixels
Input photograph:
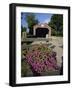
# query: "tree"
{"type": "Point", "coordinates": [31, 21]}
{"type": "Point", "coordinates": [23, 29]}
{"type": "Point", "coordinates": [56, 23]}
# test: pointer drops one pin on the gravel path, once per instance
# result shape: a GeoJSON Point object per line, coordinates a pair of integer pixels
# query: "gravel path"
{"type": "Point", "coordinates": [58, 42]}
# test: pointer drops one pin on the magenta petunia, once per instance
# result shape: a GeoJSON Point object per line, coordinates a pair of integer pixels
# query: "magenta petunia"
{"type": "Point", "coordinates": [41, 59]}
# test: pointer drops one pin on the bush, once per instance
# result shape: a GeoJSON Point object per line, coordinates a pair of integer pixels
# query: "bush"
{"type": "Point", "coordinates": [41, 59]}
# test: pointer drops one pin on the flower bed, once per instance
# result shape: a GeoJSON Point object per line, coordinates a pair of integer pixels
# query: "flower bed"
{"type": "Point", "coordinates": [42, 59]}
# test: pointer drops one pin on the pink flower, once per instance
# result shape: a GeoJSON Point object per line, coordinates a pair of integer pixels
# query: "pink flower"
{"type": "Point", "coordinates": [42, 59]}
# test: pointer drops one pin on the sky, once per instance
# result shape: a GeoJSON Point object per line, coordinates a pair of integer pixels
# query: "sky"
{"type": "Point", "coordinates": [41, 17]}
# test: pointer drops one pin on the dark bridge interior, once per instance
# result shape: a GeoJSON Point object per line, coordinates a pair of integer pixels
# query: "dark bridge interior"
{"type": "Point", "coordinates": [41, 32]}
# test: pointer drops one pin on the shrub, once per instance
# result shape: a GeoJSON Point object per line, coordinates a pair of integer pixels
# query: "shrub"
{"type": "Point", "coordinates": [41, 58]}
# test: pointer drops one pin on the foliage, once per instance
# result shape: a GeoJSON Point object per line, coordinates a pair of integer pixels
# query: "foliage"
{"type": "Point", "coordinates": [23, 29]}
{"type": "Point", "coordinates": [41, 58]}
{"type": "Point", "coordinates": [24, 68]}
{"type": "Point", "coordinates": [31, 21]}
{"type": "Point", "coordinates": [56, 24]}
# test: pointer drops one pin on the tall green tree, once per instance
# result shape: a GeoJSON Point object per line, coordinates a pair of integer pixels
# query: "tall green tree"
{"type": "Point", "coordinates": [31, 21]}
{"type": "Point", "coordinates": [56, 23]}
{"type": "Point", "coordinates": [23, 29]}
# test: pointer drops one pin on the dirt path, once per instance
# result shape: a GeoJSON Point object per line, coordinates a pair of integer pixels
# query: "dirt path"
{"type": "Point", "coordinates": [58, 42]}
